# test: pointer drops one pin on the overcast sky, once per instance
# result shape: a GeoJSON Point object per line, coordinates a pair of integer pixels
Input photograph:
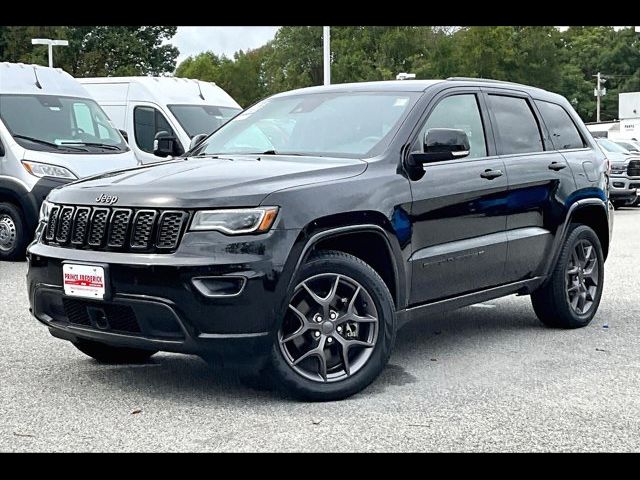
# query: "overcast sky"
{"type": "Point", "coordinates": [220, 40]}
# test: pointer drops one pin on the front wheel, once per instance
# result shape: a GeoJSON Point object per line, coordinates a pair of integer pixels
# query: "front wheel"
{"type": "Point", "coordinates": [13, 237]}
{"type": "Point", "coordinates": [338, 331]}
{"type": "Point", "coordinates": [571, 296]}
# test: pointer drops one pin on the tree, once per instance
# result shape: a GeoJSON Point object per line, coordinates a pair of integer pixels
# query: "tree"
{"type": "Point", "coordinates": [95, 51]}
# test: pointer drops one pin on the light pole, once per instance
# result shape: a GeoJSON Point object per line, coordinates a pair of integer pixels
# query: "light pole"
{"type": "Point", "coordinates": [50, 43]}
{"type": "Point", "coordinates": [326, 47]}
{"type": "Point", "coordinates": [599, 92]}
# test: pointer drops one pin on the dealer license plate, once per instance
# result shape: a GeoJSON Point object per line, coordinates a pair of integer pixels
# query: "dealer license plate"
{"type": "Point", "coordinates": [83, 280]}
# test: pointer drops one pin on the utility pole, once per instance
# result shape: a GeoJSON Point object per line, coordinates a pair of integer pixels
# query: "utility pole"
{"type": "Point", "coordinates": [50, 43]}
{"type": "Point", "coordinates": [599, 93]}
{"type": "Point", "coordinates": [326, 46]}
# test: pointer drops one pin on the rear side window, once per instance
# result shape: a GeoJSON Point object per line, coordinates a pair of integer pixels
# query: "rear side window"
{"type": "Point", "coordinates": [564, 132]}
{"type": "Point", "coordinates": [147, 121]}
{"type": "Point", "coordinates": [516, 124]}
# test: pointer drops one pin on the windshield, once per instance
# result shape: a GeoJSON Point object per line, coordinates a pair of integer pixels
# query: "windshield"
{"type": "Point", "coordinates": [610, 146]}
{"type": "Point", "coordinates": [349, 124]}
{"type": "Point", "coordinates": [629, 146]}
{"type": "Point", "coordinates": [59, 124]}
{"type": "Point", "coordinates": [197, 119]}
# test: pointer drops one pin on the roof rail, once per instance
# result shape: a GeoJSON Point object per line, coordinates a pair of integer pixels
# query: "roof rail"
{"type": "Point", "coordinates": [488, 80]}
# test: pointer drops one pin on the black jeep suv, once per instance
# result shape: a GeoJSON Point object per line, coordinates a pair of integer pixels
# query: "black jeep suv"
{"type": "Point", "coordinates": [301, 235]}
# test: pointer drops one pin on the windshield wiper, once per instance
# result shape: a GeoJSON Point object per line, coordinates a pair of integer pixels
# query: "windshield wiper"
{"type": "Point", "coordinates": [93, 144]}
{"type": "Point", "coordinates": [50, 144]}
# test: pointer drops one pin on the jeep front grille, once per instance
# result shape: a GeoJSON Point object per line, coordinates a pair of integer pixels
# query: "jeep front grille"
{"type": "Point", "coordinates": [115, 229]}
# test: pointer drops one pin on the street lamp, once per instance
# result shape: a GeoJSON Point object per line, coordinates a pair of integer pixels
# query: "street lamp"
{"type": "Point", "coordinates": [50, 43]}
{"type": "Point", "coordinates": [326, 50]}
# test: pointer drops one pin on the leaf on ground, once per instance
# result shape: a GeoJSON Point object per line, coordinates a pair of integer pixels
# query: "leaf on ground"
{"type": "Point", "coordinates": [316, 422]}
{"type": "Point", "coordinates": [136, 411]}
{"type": "Point", "coordinates": [23, 435]}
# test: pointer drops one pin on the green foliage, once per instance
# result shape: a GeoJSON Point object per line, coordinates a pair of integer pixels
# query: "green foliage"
{"type": "Point", "coordinates": [95, 51]}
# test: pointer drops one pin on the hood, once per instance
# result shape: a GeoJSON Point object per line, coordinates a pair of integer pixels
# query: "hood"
{"type": "Point", "coordinates": [621, 160]}
{"type": "Point", "coordinates": [85, 164]}
{"type": "Point", "coordinates": [237, 181]}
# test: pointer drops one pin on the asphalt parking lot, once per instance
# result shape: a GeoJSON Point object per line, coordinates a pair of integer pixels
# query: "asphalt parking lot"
{"type": "Point", "coordinates": [484, 378]}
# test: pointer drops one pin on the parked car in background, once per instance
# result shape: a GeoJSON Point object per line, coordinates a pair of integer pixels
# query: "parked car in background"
{"type": "Point", "coordinates": [181, 110]}
{"type": "Point", "coordinates": [631, 145]}
{"type": "Point", "coordinates": [625, 173]}
{"type": "Point", "coordinates": [300, 254]}
{"type": "Point", "coordinates": [51, 132]}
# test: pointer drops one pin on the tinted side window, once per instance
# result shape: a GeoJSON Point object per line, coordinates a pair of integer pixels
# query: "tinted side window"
{"type": "Point", "coordinates": [564, 133]}
{"type": "Point", "coordinates": [147, 121]}
{"type": "Point", "coordinates": [460, 112]}
{"type": "Point", "coordinates": [516, 124]}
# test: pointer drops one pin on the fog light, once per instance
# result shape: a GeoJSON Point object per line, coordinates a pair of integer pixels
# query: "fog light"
{"type": "Point", "coordinates": [618, 184]}
{"type": "Point", "coordinates": [227, 286]}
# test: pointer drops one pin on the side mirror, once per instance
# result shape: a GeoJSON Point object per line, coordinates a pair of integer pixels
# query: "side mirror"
{"type": "Point", "coordinates": [125, 135]}
{"type": "Point", "coordinates": [439, 144]}
{"type": "Point", "coordinates": [165, 144]}
{"type": "Point", "coordinates": [196, 140]}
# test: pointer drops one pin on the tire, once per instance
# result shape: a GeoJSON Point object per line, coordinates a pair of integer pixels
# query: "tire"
{"type": "Point", "coordinates": [372, 340]}
{"type": "Point", "coordinates": [104, 353]}
{"type": "Point", "coordinates": [13, 237]}
{"type": "Point", "coordinates": [552, 302]}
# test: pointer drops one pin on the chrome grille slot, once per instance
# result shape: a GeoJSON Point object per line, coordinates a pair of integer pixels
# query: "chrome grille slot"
{"type": "Point", "coordinates": [170, 228]}
{"type": "Point", "coordinates": [50, 232]}
{"type": "Point", "coordinates": [119, 227]}
{"type": "Point", "coordinates": [65, 219]}
{"type": "Point", "coordinates": [80, 225]}
{"type": "Point", "coordinates": [142, 228]}
{"type": "Point", "coordinates": [98, 228]}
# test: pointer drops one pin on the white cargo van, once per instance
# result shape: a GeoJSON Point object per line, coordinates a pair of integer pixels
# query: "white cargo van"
{"type": "Point", "coordinates": [51, 132]}
{"type": "Point", "coordinates": [147, 106]}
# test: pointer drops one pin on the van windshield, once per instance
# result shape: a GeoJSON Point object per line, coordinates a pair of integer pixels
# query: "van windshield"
{"type": "Point", "coordinates": [340, 124]}
{"type": "Point", "coordinates": [59, 124]}
{"type": "Point", "coordinates": [197, 119]}
{"type": "Point", "coordinates": [610, 146]}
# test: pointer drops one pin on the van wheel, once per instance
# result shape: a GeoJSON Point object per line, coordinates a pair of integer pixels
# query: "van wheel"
{"type": "Point", "coordinates": [571, 297]}
{"type": "Point", "coordinates": [338, 331]}
{"type": "Point", "coordinates": [13, 238]}
{"type": "Point", "coordinates": [104, 353]}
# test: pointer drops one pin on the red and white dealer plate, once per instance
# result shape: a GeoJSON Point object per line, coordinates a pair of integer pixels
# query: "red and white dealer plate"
{"type": "Point", "coordinates": [83, 280]}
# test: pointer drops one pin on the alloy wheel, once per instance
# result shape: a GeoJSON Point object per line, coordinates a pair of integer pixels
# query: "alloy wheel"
{"type": "Point", "coordinates": [330, 329]}
{"type": "Point", "coordinates": [582, 277]}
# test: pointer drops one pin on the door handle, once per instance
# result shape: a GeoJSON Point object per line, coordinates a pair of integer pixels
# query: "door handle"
{"type": "Point", "coordinates": [491, 174]}
{"type": "Point", "coordinates": [555, 166]}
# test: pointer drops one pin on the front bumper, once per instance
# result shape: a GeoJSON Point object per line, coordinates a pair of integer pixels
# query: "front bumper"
{"type": "Point", "coordinates": [624, 189]}
{"type": "Point", "coordinates": [152, 302]}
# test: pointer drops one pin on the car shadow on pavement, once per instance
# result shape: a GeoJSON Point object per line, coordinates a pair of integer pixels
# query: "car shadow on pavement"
{"type": "Point", "coordinates": [185, 378]}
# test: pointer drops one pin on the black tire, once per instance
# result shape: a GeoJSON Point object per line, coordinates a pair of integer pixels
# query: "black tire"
{"type": "Point", "coordinates": [287, 378]}
{"type": "Point", "coordinates": [113, 355]}
{"type": "Point", "coordinates": [13, 237]}
{"type": "Point", "coordinates": [551, 301]}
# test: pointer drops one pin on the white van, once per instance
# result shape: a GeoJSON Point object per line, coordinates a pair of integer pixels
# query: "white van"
{"type": "Point", "coordinates": [146, 106]}
{"type": "Point", "coordinates": [51, 132]}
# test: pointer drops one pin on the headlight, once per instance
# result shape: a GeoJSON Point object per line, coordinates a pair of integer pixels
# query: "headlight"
{"type": "Point", "coordinates": [45, 208]}
{"type": "Point", "coordinates": [235, 222]}
{"type": "Point", "coordinates": [47, 170]}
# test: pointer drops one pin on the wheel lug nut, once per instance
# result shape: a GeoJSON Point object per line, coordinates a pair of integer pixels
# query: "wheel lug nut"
{"type": "Point", "coordinates": [316, 334]}
{"type": "Point", "coordinates": [333, 315]}
{"type": "Point", "coordinates": [329, 340]}
{"type": "Point", "coordinates": [339, 329]}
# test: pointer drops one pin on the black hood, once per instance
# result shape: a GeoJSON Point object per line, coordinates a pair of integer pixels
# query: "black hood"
{"type": "Point", "coordinates": [207, 182]}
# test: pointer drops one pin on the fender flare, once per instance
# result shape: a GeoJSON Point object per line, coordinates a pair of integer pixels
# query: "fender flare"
{"type": "Point", "coordinates": [563, 230]}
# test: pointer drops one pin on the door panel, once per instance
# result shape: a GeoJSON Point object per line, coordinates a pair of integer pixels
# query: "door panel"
{"type": "Point", "coordinates": [539, 183]}
{"type": "Point", "coordinates": [458, 239]}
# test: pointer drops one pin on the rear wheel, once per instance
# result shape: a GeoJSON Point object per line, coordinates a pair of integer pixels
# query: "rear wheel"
{"type": "Point", "coordinates": [104, 353]}
{"type": "Point", "coordinates": [571, 297]}
{"type": "Point", "coordinates": [338, 331]}
{"type": "Point", "coordinates": [13, 238]}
